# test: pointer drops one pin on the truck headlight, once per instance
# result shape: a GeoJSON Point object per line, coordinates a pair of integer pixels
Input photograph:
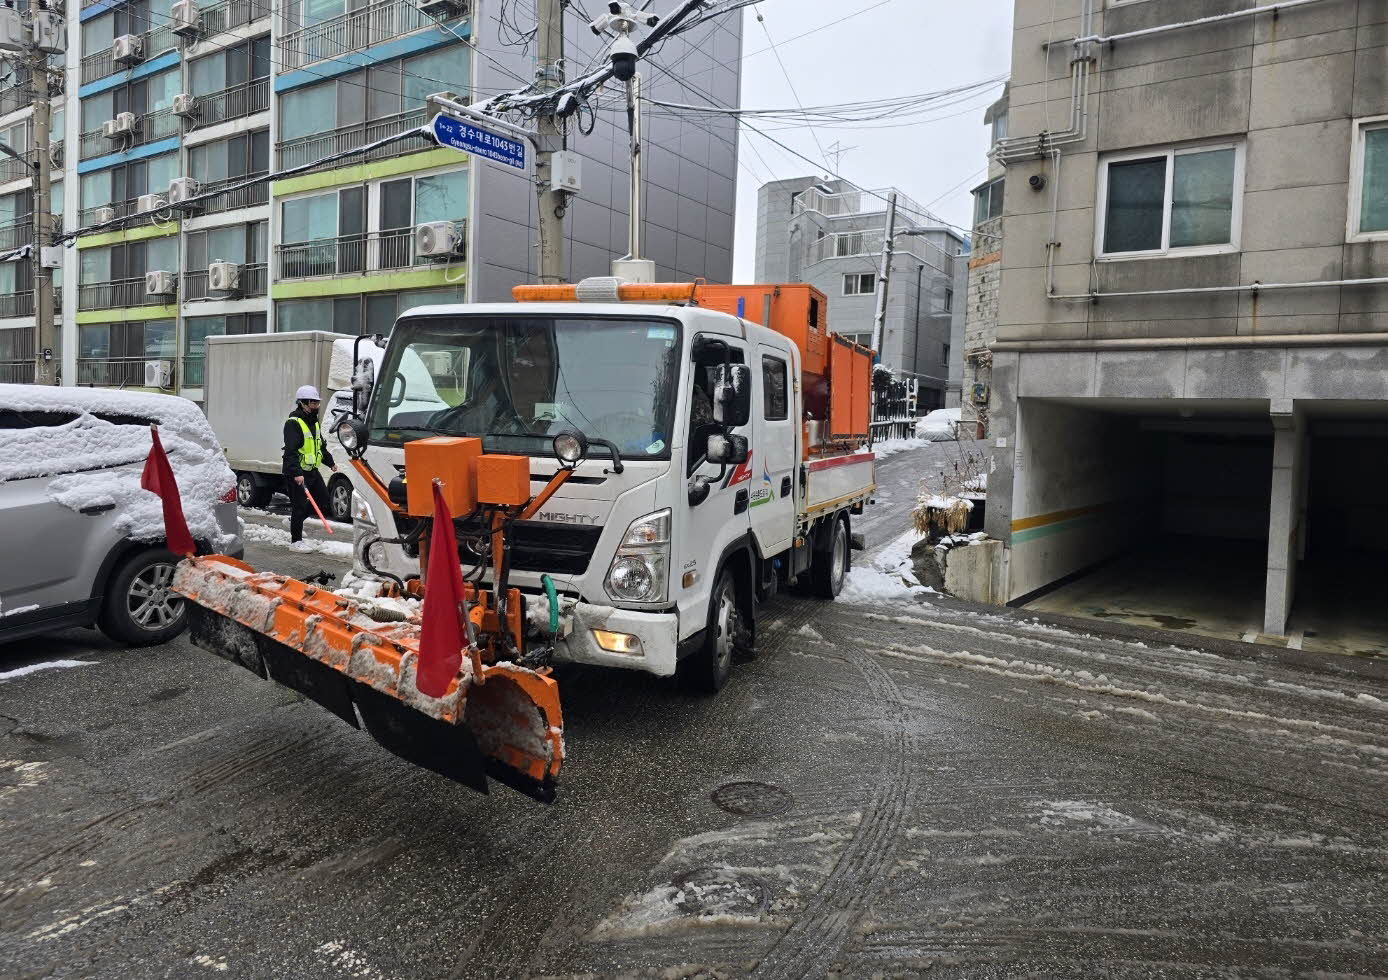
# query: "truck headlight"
{"type": "Point", "coordinates": [640, 569]}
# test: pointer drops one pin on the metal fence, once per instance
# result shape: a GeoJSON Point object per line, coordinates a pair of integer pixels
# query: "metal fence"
{"type": "Point", "coordinates": [120, 294]}
{"type": "Point", "coordinates": [349, 254]}
{"type": "Point", "coordinates": [190, 370]}
{"type": "Point", "coordinates": [232, 13]}
{"type": "Point", "coordinates": [16, 233]}
{"type": "Point", "coordinates": [103, 63]}
{"type": "Point", "coordinates": [116, 372]}
{"type": "Point", "coordinates": [352, 31]}
{"type": "Point", "coordinates": [15, 96]}
{"type": "Point", "coordinates": [122, 209]}
{"type": "Point", "coordinates": [152, 127]}
{"type": "Point", "coordinates": [234, 102]}
{"type": "Point", "coordinates": [12, 169]}
{"type": "Point", "coordinates": [17, 304]}
{"type": "Point", "coordinates": [253, 283]}
{"type": "Point", "coordinates": [243, 197]}
{"type": "Point", "coordinates": [306, 149]}
{"type": "Point", "coordinates": [17, 372]}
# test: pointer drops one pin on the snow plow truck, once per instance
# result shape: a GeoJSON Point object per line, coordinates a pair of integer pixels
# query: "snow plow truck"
{"type": "Point", "coordinates": [631, 470]}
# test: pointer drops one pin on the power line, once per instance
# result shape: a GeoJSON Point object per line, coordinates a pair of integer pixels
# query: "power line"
{"type": "Point", "coordinates": [789, 84]}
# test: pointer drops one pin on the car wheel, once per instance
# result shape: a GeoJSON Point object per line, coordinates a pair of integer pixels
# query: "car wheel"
{"type": "Point", "coordinates": [251, 492]}
{"type": "Point", "coordinates": [340, 499]}
{"type": "Point", "coordinates": [831, 565]}
{"type": "Point", "coordinates": [708, 670]}
{"type": "Point", "coordinates": [140, 607]}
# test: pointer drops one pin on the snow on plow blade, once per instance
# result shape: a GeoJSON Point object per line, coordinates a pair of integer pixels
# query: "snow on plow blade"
{"type": "Point", "coordinates": [504, 722]}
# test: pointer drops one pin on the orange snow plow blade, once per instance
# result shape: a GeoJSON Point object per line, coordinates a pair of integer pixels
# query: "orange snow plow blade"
{"type": "Point", "coordinates": [501, 720]}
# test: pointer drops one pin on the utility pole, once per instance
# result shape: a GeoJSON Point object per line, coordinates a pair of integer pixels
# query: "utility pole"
{"type": "Point", "coordinates": [549, 75]}
{"type": "Point", "coordinates": [879, 327]}
{"type": "Point", "coordinates": [46, 358]}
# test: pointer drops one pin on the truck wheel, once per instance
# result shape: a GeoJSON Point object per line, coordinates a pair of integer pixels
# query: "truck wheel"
{"type": "Point", "coordinates": [251, 492]}
{"type": "Point", "coordinates": [139, 608]}
{"type": "Point", "coordinates": [340, 499]}
{"type": "Point", "coordinates": [707, 671]}
{"type": "Point", "coordinates": [831, 565]}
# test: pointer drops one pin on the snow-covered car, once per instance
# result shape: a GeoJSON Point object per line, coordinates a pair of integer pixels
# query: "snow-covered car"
{"type": "Point", "coordinates": [83, 542]}
{"type": "Point", "coordinates": [941, 425]}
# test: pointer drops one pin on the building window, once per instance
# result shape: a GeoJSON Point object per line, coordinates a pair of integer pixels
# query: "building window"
{"type": "Point", "coordinates": [1000, 127]}
{"type": "Point", "coordinates": [1168, 202]}
{"type": "Point", "coordinates": [944, 354]}
{"type": "Point", "coordinates": [949, 301]}
{"type": "Point", "coordinates": [775, 400]}
{"type": "Point", "coordinates": [860, 284]}
{"type": "Point", "coordinates": [988, 201]}
{"type": "Point", "coordinates": [372, 313]}
{"type": "Point", "coordinates": [244, 62]}
{"type": "Point", "coordinates": [1369, 181]}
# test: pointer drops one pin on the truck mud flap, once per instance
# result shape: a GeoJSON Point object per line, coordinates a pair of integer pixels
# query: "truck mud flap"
{"type": "Point", "coordinates": [504, 724]}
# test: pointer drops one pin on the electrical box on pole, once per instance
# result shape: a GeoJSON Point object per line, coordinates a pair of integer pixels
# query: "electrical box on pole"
{"type": "Point", "coordinates": [50, 31]}
{"type": "Point", "coordinates": [566, 172]}
{"type": "Point", "coordinates": [12, 34]}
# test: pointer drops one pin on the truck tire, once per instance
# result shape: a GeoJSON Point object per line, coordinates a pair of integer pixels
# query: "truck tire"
{"type": "Point", "coordinates": [831, 564]}
{"type": "Point", "coordinates": [139, 609]}
{"type": "Point", "coordinates": [340, 499]}
{"type": "Point", "coordinates": [706, 671]}
{"type": "Point", "coordinates": [251, 492]}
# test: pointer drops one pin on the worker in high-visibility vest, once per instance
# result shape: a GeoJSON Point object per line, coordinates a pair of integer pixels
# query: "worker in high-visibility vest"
{"type": "Point", "coordinates": [304, 452]}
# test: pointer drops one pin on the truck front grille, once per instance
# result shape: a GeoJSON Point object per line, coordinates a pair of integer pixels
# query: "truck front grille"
{"type": "Point", "coordinates": [560, 549]}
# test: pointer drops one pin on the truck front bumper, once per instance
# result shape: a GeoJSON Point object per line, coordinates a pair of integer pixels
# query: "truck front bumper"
{"type": "Point", "coordinates": [657, 636]}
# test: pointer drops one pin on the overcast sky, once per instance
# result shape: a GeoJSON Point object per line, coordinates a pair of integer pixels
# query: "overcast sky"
{"type": "Point", "coordinates": [901, 47]}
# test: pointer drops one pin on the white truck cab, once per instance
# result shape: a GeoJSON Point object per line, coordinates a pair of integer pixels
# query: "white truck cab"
{"type": "Point", "coordinates": [659, 555]}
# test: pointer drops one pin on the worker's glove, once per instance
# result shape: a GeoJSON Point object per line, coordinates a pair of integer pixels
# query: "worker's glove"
{"type": "Point", "coordinates": [333, 468]}
{"type": "Point", "coordinates": [299, 480]}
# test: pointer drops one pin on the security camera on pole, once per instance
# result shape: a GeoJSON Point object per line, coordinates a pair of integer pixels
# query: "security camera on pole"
{"type": "Point", "coordinates": [622, 20]}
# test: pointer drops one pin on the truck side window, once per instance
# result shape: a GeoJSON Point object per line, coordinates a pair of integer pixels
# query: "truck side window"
{"type": "Point", "coordinates": [776, 403]}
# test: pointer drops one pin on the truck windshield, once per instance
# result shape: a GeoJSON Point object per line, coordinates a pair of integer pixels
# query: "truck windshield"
{"type": "Point", "coordinates": [516, 382]}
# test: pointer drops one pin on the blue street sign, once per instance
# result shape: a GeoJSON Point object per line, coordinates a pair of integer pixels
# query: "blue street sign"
{"type": "Point", "coordinates": [461, 135]}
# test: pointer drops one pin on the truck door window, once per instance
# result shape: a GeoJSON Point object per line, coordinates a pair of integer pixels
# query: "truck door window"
{"type": "Point", "coordinates": [701, 424]}
{"type": "Point", "coordinates": [777, 404]}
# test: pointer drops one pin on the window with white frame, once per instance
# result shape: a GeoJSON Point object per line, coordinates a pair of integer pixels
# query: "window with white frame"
{"type": "Point", "coordinates": [1368, 212]}
{"type": "Point", "coordinates": [859, 283]}
{"type": "Point", "coordinates": [1171, 201]}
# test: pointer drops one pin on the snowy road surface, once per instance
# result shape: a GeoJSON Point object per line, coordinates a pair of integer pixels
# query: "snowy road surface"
{"type": "Point", "coordinates": [890, 788]}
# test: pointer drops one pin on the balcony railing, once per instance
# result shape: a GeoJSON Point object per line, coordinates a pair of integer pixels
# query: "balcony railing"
{"type": "Point", "coordinates": [15, 96]}
{"type": "Point", "coordinates": [103, 63]}
{"type": "Point", "coordinates": [352, 31]}
{"type": "Point", "coordinates": [243, 197]}
{"type": "Point", "coordinates": [120, 294]}
{"type": "Point", "coordinates": [152, 127]}
{"type": "Point", "coordinates": [123, 209]}
{"type": "Point", "coordinates": [16, 233]}
{"type": "Point", "coordinates": [17, 372]}
{"type": "Point", "coordinates": [856, 201]}
{"type": "Point", "coordinates": [232, 13]}
{"type": "Point", "coordinates": [253, 283]}
{"type": "Point", "coordinates": [117, 372]}
{"type": "Point", "coordinates": [377, 251]}
{"type": "Point", "coordinates": [306, 149]}
{"type": "Point", "coordinates": [869, 243]}
{"type": "Point", "coordinates": [12, 169]}
{"type": "Point", "coordinates": [190, 372]}
{"type": "Point", "coordinates": [235, 102]}
{"type": "Point", "coordinates": [17, 304]}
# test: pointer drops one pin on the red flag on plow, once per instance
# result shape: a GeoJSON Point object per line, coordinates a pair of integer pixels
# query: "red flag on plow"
{"type": "Point", "coordinates": [441, 636]}
{"type": "Point", "coordinates": [158, 478]}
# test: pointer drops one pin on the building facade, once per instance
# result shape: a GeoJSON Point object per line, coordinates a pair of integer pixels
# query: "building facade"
{"type": "Point", "coordinates": [1192, 338]}
{"type": "Point", "coordinates": [829, 233]}
{"type": "Point", "coordinates": [984, 284]}
{"type": "Point", "coordinates": [156, 91]}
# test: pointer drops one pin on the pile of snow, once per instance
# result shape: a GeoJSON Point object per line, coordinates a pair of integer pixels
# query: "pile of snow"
{"type": "Point", "coordinates": [890, 447]}
{"type": "Point", "coordinates": [889, 575]}
{"type": "Point", "coordinates": [279, 538]}
{"type": "Point", "coordinates": [111, 454]}
{"type": "Point", "coordinates": [941, 425]}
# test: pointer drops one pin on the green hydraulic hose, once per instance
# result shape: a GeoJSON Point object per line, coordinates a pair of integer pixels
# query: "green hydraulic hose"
{"type": "Point", "coordinates": [553, 596]}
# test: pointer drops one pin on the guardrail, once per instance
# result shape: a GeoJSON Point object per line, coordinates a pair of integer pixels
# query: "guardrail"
{"type": "Point", "coordinates": [234, 102]}
{"type": "Point", "coordinates": [306, 149]}
{"type": "Point", "coordinates": [352, 31]}
{"type": "Point", "coordinates": [153, 126]}
{"type": "Point", "coordinates": [103, 63]}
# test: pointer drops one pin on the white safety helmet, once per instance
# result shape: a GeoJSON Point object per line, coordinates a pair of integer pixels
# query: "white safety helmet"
{"type": "Point", "coordinates": [307, 393]}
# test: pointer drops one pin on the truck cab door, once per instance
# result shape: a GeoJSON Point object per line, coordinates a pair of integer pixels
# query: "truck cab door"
{"type": "Point", "coordinates": [774, 487]}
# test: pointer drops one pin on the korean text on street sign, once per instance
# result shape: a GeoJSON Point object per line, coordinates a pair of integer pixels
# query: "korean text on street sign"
{"type": "Point", "coordinates": [464, 136]}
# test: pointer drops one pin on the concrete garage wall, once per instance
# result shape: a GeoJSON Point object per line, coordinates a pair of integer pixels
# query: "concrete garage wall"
{"type": "Point", "coordinates": [1348, 493]}
{"type": "Point", "coordinates": [1084, 482]}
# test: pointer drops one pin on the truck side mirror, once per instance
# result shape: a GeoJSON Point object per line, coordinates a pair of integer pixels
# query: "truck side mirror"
{"type": "Point", "coordinates": [728, 450]}
{"type": "Point", "coordinates": [362, 380]}
{"type": "Point", "coordinates": [732, 395]}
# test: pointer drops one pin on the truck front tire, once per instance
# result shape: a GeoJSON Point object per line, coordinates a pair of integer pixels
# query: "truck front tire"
{"type": "Point", "coordinates": [251, 492]}
{"type": "Point", "coordinates": [832, 562]}
{"type": "Point", "coordinates": [708, 670]}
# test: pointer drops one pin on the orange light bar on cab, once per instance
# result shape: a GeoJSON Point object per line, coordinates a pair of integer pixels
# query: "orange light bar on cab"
{"type": "Point", "coordinates": [632, 292]}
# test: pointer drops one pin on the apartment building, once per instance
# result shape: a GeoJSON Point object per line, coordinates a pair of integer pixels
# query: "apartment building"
{"type": "Point", "coordinates": [829, 233]}
{"type": "Point", "coordinates": [1191, 359]}
{"type": "Point", "coordinates": [176, 97]}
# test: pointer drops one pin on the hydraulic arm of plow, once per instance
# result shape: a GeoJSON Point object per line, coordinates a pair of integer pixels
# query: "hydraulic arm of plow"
{"type": "Point", "coordinates": [500, 715]}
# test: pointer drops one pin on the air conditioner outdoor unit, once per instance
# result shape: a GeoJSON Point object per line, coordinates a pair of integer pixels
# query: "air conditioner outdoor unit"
{"type": "Point", "coordinates": [181, 189]}
{"type": "Point", "coordinates": [224, 277]}
{"type": "Point", "coordinates": [185, 18]}
{"type": "Point", "coordinates": [442, 8]}
{"type": "Point", "coordinates": [105, 214]}
{"type": "Point", "coordinates": [185, 105]}
{"type": "Point", "coordinates": [128, 49]}
{"type": "Point", "coordinates": [438, 238]}
{"type": "Point", "coordinates": [150, 202]}
{"type": "Point", "coordinates": [159, 374]}
{"type": "Point", "coordinates": [160, 282]}
{"type": "Point", "coordinates": [125, 124]}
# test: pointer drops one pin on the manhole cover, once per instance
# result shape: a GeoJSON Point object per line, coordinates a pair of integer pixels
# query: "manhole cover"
{"type": "Point", "coordinates": [720, 891]}
{"type": "Point", "coordinates": [752, 799]}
